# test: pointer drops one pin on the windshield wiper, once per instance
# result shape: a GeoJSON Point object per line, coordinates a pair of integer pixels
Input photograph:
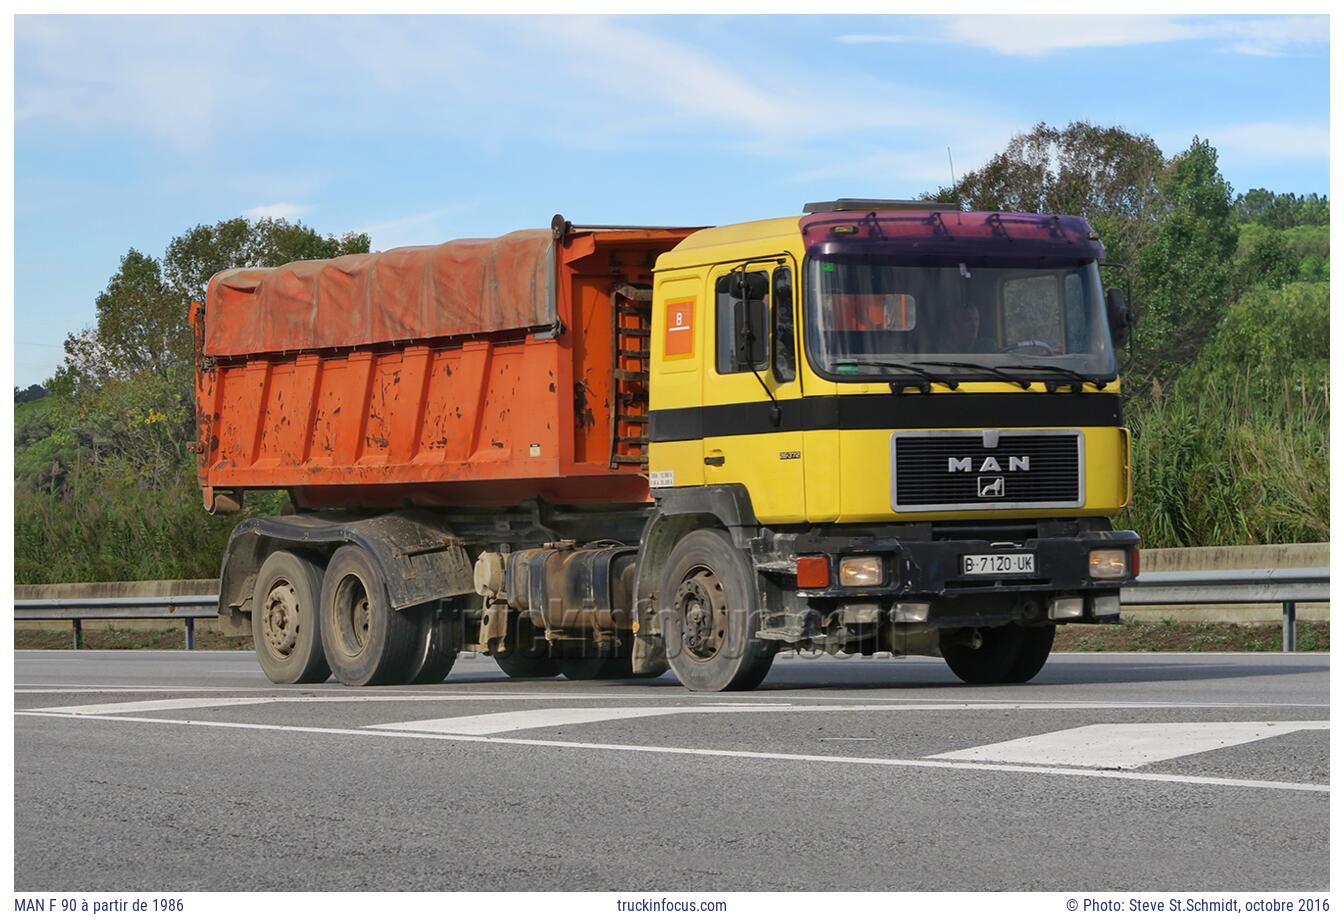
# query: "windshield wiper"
{"type": "Point", "coordinates": [1098, 382]}
{"type": "Point", "coordinates": [1024, 384]}
{"type": "Point", "coordinates": [908, 368]}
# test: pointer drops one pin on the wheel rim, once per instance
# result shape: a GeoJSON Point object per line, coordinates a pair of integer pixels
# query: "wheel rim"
{"type": "Point", "coordinates": [702, 609]}
{"type": "Point", "coordinates": [280, 620]}
{"type": "Point", "coordinates": [353, 619]}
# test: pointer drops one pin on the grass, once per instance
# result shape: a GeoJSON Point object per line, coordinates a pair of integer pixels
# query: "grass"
{"type": "Point", "coordinates": [116, 637]}
{"type": "Point", "coordinates": [1168, 636]}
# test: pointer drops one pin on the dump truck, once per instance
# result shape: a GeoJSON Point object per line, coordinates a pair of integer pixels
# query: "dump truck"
{"type": "Point", "coordinates": [606, 451]}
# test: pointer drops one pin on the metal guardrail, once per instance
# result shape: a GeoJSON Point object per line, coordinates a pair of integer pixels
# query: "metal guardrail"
{"type": "Point", "coordinates": [191, 607]}
{"type": "Point", "coordinates": [1235, 586]}
{"type": "Point", "coordinates": [1231, 586]}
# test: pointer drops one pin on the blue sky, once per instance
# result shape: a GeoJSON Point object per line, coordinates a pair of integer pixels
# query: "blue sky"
{"type": "Point", "coordinates": [128, 130]}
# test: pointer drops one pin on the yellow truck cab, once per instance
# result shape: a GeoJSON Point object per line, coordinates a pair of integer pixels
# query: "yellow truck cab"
{"type": "Point", "coordinates": [897, 425]}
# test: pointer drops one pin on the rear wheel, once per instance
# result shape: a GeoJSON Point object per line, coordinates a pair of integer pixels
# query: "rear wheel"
{"type": "Point", "coordinates": [1009, 654]}
{"type": "Point", "coordinates": [285, 630]}
{"type": "Point", "coordinates": [437, 643]}
{"type": "Point", "coordinates": [707, 599]}
{"type": "Point", "coordinates": [529, 655]}
{"type": "Point", "coordinates": [612, 666]}
{"type": "Point", "coordinates": [366, 641]}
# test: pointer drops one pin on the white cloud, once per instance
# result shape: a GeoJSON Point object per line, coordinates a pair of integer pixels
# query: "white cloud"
{"type": "Point", "coordinates": [875, 39]}
{"type": "Point", "coordinates": [149, 79]}
{"type": "Point", "coordinates": [281, 210]}
{"type": "Point", "coordinates": [1258, 142]}
{"type": "Point", "coordinates": [418, 229]}
{"type": "Point", "coordinates": [1038, 35]}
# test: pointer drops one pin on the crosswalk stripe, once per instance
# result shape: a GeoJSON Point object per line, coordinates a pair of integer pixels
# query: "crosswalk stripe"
{"type": "Point", "coordinates": [1127, 745]}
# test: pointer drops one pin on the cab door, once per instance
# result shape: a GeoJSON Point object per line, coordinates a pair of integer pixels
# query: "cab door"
{"type": "Point", "coordinates": [752, 409]}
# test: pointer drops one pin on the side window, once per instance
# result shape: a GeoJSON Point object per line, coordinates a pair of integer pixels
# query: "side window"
{"type": "Point", "coordinates": [781, 299]}
{"type": "Point", "coordinates": [1032, 311]}
{"type": "Point", "coordinates": [738, 347]}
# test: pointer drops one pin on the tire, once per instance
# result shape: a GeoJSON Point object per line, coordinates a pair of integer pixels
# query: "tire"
{"type": "Point", "coordinates": [285, 622]}
{"type": "Point", "coordinates": [437, 643]}
{"type": "Point", "coordinates": [607, 667]}
{"type": "Point", "coordinates": [366, 641]}
{"type": "Point", "coordinates": [527, 658]}
{"type": "Point", "coordinates": [707, 602]}
{"type": "Point", "coordinates": [1037, 641]}
{"type": "Point", "coordinates": [1008, 654]}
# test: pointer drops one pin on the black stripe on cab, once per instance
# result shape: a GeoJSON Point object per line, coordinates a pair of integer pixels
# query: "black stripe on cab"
{"type": "Point", "coordinates": [889, 411]}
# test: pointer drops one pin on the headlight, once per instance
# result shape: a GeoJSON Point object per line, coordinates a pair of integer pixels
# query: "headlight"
{"type": "Point", "coordinates": [1108, 563]}
{"type": "Point", "coordinates": [861, 571]}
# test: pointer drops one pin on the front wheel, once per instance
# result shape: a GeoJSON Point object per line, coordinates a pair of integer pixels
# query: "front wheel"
{"type": "Point", "coordinates": [708, 604]}
{"type": "Point", "coordinates": [1009, 654]}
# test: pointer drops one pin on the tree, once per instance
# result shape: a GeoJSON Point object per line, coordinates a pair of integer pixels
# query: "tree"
{"type": "Point", "coordinates": [29, 393]}
{"type": "Point", "coordinates": [141, 326]}
{"type": "Point", "coordinates": [1282, 211]}
{"type": "Point", "coordinates": [1107, 175]}
{"type": "Point", "coordinates": [1267, 261]}
{"type": "Point", "coordinates": [105, 487]}
{"type": "Point", "coordinates": [1185, 274]}
{"type": "Point", "coordinates": [195, 256]}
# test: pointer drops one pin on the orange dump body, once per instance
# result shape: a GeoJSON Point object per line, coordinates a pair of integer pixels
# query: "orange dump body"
{"type": "Point", "coordinates": [477, 372]}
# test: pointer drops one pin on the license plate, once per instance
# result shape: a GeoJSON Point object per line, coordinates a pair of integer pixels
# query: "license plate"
{"type": "Point", "coordinates": [999, 564]}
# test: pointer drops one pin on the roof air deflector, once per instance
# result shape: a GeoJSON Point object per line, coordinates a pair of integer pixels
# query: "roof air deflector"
{"type": "Point", "coordinates": [876, 204]}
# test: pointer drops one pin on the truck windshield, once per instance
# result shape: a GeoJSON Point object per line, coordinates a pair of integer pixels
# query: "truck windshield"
{"type": "Point", "coordinates": [962, 320]}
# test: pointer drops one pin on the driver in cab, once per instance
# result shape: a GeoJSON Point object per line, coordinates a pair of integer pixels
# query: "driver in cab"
{"type": "Point", "coordinates": [961, 332]}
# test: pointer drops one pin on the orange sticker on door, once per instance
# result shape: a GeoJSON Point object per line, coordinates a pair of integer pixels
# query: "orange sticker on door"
{"type": "Point", "coordinates": [678, 334]}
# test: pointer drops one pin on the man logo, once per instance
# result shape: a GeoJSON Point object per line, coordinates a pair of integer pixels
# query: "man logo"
{"type": "Point", "coordinates": [990, 465]}
{"type": "Point", "coordinates": [989, 486]}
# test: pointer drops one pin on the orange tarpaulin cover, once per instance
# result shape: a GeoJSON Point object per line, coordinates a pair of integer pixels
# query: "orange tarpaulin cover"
{"type": "Point", "coordinates": [456, 288]}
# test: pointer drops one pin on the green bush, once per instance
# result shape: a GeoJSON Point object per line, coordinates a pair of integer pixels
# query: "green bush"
{"type": "Point", "coordinates": [1220, 467]}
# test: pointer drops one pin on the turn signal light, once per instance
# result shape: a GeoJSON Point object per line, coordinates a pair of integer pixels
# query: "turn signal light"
{"type": "Point", "coordinates": [1108, 563]}
{"type": "Point", "coordinates": [814, 572]}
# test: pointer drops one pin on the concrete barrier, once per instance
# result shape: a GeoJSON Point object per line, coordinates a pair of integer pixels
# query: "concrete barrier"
{"type": "Point", "coordinates": [1222, 558]}
{"type": "Point", "coordinates": [183, 587]}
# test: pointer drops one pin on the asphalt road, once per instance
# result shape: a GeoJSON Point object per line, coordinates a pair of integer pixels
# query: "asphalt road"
{"type": "Point", "coordinates": [166, 771]}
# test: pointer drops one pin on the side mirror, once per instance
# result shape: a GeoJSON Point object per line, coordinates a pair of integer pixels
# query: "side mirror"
{"type": "Point", "coordinates": [749, 321]}
{"type": "Point", "coordinates": [1118, 316]}
{"type": "Point", "coordinates": [747, 285]}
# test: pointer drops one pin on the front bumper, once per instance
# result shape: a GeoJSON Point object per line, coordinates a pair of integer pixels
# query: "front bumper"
{"type": "Point", "coordinates": [929, 569]}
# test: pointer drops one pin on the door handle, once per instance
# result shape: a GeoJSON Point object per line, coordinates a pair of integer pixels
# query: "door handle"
{"type": "Point", "coordinates": [714, 461]}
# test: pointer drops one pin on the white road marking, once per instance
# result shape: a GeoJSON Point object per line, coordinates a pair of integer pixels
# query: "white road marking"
{"type": "Point", "coordinates": [96, 709]}
{"type": "Point", "coordinates": [1125, 746]}
{"type": "Point", "coordinates": [491, 723]}
{"type": "Point", "coordinates": [544, 717]}
{"type": "Point", "coordinates": [926, 764]}
{"type": "Point", "coordinates": [216, 701]}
